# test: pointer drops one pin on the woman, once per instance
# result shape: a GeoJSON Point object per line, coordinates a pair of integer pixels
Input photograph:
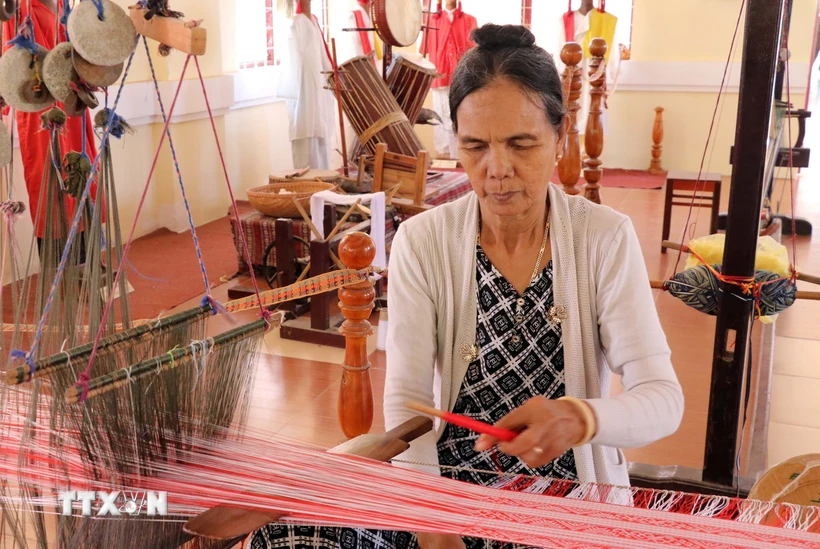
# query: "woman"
{"type": "Point", "coordinates": [514, 304]}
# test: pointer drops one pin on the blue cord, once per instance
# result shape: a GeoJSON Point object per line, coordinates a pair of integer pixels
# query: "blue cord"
{"type": "Point", "coordinates": [179, 178]}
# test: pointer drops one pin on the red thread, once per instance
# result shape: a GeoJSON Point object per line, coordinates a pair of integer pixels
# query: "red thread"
{"type": "Point", "coordinates": [230, 190]}
{"type": "Point", "coordinates": [709, 136]}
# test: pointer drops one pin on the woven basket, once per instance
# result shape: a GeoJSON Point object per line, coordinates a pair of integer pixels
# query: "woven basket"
{"type": "Point", "coordinates": [267, 199]}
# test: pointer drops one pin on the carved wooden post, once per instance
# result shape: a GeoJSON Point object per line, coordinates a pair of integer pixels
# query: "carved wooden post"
{"type": "Point", "coordinates": [569, 167]}
{"type": "Point", "coordinates": [657, 140]}
{"type": "Point", "coordinates": [357, 251]}
{"type": "Point", "coordinates": [594, 136]}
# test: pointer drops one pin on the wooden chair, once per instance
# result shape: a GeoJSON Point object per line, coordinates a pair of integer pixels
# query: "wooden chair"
{"type": "Point", "coordinates": [404, 176]}
{"type": "Point", "coordinates": [682, 186]}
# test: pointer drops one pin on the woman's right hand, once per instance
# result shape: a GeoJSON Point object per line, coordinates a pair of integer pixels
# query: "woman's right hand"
{"type": "Point", "coordinates": [440, 541]}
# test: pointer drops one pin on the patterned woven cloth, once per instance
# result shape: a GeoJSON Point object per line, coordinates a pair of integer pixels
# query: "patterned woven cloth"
{"type": "Point", "coordinates": [520, 356]}
{"type": "Point", "coordinates": [260, 229]}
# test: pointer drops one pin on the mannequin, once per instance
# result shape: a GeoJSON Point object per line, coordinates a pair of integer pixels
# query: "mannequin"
{"type": "Point", "coordinates": [444, 47]}
{"type": "Point", "coordinates": [302, 84]}
{"type": "Point", "coordinates": [350, 44]}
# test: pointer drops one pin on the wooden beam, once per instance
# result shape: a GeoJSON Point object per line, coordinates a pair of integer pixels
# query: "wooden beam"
{"type": "Point", "coordinates": [175, 33]}
{"type": "Point", "coordinates": [761, 50]}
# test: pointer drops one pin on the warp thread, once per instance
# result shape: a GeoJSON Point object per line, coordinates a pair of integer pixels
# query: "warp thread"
{"type": "Point", "coordinates": [200, 360]}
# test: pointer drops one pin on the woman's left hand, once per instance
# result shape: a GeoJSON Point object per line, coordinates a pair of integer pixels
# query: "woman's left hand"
{"type": "Point", "coordinates": [548, 428]}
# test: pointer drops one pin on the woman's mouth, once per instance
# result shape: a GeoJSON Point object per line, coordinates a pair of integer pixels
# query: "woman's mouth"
{"type": "Point", "coordinates": [502, 197]}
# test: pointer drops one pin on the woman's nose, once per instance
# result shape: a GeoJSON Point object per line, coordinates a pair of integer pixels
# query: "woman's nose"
{"type": "Point", "coordinates": [499, 164]}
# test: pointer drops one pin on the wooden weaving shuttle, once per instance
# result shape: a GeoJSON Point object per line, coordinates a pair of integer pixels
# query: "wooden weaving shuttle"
{"type": "Point", "coordinates": [463, 421]}
{"type": "Point", "coordinates": [226, 522]}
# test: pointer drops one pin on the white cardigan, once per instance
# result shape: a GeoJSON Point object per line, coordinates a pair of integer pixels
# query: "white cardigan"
{"type": "Point", "coordinates": [611, 325]}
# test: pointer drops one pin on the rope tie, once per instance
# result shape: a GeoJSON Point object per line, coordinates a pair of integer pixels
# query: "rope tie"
{"type": "Point", "coordinates": [25, 38]}
{"type": "Point", "coordinates": [100, 9]}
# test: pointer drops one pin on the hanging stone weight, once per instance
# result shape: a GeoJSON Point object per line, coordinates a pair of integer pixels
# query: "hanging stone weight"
{"type": "Point", "coordinates": [105, 41]}
{"type": "Point", "coordinates": [58, 71]}
{"type": "Point", "coordinates": [19, 73]}
{"type": "Point", "coordinates": [8, 9]}
{"type": "Point", "coordinates": [99, 76]}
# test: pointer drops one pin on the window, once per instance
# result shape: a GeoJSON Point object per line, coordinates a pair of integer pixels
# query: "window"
{"type": "Point", "coordinates": [255, 33]}
{"type": "Point", "coordinates": [259, 26]}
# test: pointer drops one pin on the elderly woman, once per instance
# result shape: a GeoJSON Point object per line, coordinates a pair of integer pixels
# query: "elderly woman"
{"type": "Point", "coordinates": [513, 305]}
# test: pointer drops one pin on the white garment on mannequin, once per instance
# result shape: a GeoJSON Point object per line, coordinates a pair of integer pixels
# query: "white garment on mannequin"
{"type": "Point", "coordinates": [311, 108]}
{"type": "Point", "coordinates": [444, 137]}
{"type": "Point", "coordinates": [310, 152]}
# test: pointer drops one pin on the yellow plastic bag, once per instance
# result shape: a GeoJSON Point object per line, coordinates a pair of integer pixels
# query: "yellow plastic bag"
{"type": "Point", "coordinates": [770, 256]}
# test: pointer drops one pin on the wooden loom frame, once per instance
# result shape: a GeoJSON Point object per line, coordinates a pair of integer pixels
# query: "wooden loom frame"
{"type": "Point", "coordinates": [761, 48]}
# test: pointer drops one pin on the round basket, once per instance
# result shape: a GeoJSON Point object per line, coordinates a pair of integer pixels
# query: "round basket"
{"type": "Point", "coordinates": [269, 200]}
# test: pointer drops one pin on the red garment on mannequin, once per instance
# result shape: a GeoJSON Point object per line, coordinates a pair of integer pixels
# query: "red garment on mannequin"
{"type": "Point", "coordinates": [447, 44]}
{"type": "Point", "coordinates": [33, 140]}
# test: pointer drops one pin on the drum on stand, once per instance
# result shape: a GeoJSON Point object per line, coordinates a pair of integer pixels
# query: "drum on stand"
{"type": "Point", "coordinates": [372, 109]}
{"type": "Point", "coordinates": [398, 22]}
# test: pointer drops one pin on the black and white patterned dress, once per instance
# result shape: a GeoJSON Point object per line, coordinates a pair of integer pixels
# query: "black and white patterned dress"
{"type": "Point", "coordinates": [520, 356]}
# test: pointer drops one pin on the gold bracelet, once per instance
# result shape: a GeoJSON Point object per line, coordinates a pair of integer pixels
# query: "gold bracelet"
{"type": "Point", "coordinates": [590, 422]}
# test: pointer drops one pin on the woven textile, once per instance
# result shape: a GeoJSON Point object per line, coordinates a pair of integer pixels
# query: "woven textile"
{"type": "Point", "coordinates": [519, 358]}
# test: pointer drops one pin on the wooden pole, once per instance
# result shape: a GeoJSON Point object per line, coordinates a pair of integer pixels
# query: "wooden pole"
{"type": "Point", "coordinates": [357, 251]}
{"type": "Point", "coordinates": [569, 166]}
{"type": "Point", "coordinates": [655, 167]}
{"type": "Point", "coordinates": [338, 91]}
{"type": "Point", "coordinates": [594, 136]}
{"type": "Point", "coordinates": [761, 50]}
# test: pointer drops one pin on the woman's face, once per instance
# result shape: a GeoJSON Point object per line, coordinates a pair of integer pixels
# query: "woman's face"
{"type": "Point", "coordinates": [507, 147]}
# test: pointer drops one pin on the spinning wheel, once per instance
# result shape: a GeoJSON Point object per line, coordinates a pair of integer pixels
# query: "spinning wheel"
{"type": "Point", "coordinates": [271, 272]}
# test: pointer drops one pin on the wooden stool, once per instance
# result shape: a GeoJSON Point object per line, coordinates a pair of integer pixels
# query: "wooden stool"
{"type": "Point", "coordinates": [682, 185]}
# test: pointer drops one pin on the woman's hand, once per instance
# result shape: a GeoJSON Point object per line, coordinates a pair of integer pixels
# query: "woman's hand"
{"type": "Point", "coordinates": [548, 428]}
{"type": "Point", "coordinates": [440, 541]}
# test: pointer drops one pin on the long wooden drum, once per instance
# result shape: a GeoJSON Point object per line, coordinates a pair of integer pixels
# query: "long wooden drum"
{"type": "Point", "coordinates": [409, 78]}
{"type": "Point", "coordinates": [398, 22]}
{"type": "Point", "coordinates": [373, 111]}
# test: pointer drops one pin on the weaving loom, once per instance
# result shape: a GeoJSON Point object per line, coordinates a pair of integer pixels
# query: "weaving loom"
{"type": "Point", "coordinates": [160, 384]}
{"type": "Point", "coordinates": [165, 435]}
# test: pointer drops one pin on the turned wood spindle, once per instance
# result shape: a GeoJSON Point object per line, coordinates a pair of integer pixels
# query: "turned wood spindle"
{"type": "Point", "coordinates": [594, 136]}
{"type": "Point", "coordinates": [356, 301]}
{"type": "Point", "coordinates": [657, 140]}
{"type": "Point", "coordinates": [569, 166]}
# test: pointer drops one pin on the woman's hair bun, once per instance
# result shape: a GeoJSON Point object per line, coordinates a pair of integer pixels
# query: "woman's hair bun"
{"type": "Point", "coordinates": [495, 37]}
